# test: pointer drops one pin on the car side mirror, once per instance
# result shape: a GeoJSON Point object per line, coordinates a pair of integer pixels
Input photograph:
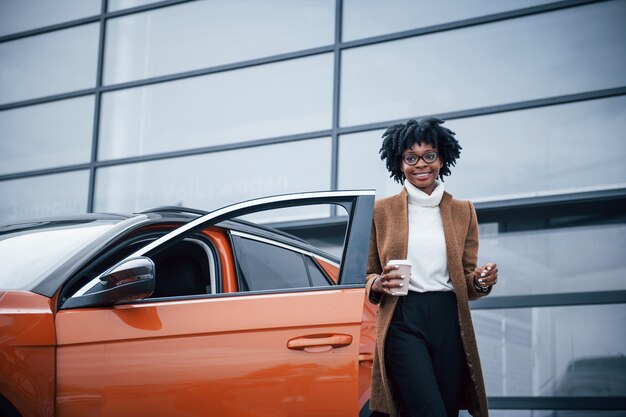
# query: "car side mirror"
{"type": "Point", "coordinates": [129, 280]}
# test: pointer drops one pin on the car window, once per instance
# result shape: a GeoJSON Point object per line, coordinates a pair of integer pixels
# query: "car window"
{"type": "Point", "coordinates": [275, 249]}
{"type": "Point", "coordinates": [188, 267]}
{"type": "Point", "coordinates": [323, 226]}
{"type": "Point", "coordinates": [108, 257]}
{"type": "Point", "coordinates": [263, 266]}
{"type": "Point", "coordinates": [318, 278]}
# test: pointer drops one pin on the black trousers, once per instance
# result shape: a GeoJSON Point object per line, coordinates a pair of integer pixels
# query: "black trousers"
{"type": "Point", "coordinates": [424, 356]}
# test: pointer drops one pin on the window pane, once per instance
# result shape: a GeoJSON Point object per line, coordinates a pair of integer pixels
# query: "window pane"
{"type": "Point", "coordinates": [311, 223]}
{"type": "Point", "coordinates": [267, 267]}
{"type": "Point", "coordinates": [270, 100]}
{"type": "Point", "coordinates": [114, 5]}
{"type": "Point", "coordinates": [214, 180]}
{"type": "Point", "coordinates": [365, 18]}
{"type": "Point", "coordinates": [549, 413]}
{"type": "Point", "coordinates": [545, 150]}
{"type": "Point", "coordinates": [563, 52]}
{"type": "Point", "coordinates": [218, 32]}
{"type": "Point", "coordinates": [552, 149]}
{"type": "Point", "coordinates": [318, 279]}
{"type": "Point", "coordinates": [46, 135]}
{"type": "Point", "coordinates": [22, 15]}
{"type": "Point", "coordinates": [360, 150]}
{"type": "Point", "coordinates": [45, 196]}
{"type": "Point", "coordinates": [553, 351]}
{"type": "Point", "coordinates": [53, 63]}
{"type": "Point", "coordinates": [284, 216]}
{"type": "Point", "coordinates": [562, 260]}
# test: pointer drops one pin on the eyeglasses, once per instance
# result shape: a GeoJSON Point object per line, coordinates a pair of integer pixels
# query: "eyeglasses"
{"type": "Point", "coordinates": [412, 159]}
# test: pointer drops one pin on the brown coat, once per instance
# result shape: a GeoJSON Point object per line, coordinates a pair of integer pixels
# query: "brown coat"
{"type": "Point", "coordinates": [389, 241]}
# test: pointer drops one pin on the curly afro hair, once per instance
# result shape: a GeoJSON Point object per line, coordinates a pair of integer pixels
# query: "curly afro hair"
{"type": "Point", "coordinates": [402, 136]}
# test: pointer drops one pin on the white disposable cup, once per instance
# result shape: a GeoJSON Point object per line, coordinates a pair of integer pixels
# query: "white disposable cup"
{"type": "Point", "coordinates": [404, 269]}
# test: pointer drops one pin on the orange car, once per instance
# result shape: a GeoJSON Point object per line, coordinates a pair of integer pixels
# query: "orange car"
{"type": "Point", "coordinates": [175, 312]}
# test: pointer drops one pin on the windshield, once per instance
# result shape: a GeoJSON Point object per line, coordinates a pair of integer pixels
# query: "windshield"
{"type": "Point", "coordinates": [29, 254]}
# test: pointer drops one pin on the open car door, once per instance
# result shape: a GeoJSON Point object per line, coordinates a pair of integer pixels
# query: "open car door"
{"type": "Point", "coordinates": [286, 344]}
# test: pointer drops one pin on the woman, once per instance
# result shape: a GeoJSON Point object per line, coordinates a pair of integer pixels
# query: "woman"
{"type": "Point", "coordinates": [426, 361]}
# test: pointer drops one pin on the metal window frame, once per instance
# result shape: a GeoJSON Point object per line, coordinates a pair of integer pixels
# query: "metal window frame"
{"type": "Point", "coordinates": [558, 403]}
{"type": "Point", "coordinates": [550, 300]}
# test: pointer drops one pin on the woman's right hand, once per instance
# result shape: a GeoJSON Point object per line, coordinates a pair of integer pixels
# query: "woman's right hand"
{"type": "Point", "coordinates": [388, 280]}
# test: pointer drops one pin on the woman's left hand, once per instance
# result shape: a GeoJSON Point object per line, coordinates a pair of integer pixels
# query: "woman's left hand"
{"type": "Point", "coordinates": [486, 275]}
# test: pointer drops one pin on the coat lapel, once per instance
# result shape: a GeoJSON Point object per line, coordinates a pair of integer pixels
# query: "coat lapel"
{"type": "Point", "coordinates": [452, 248]}
{"type": "Point", "coordinates": [399, 208]}
{"type": "Point", "coordinates": [399, 250]}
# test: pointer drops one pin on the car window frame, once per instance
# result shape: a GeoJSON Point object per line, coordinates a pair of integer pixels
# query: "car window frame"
{"type": "Point", "coordinates": [105, 253]}
{"type": "Point", "coordinates": [145, 233]}
{"type": "Point", "coordinates": [300, 251]}
{"type": "Point", "coordinates": [316, 265]}
{"type": "Point", "coordinates": [214, 267]}
{"type": "Point", "coordinates": [359, 204]}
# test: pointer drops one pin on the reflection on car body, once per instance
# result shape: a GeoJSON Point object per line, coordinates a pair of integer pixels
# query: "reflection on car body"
{"type": "Point", "coordinates": [172, 312]}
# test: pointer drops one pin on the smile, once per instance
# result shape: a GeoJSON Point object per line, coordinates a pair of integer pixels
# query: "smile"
{"type": "Point", "coordinates": [422, 174]}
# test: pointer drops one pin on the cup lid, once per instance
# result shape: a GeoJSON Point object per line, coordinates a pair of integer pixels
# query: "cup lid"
{"type": "Point", "coordinates": [399, 262]}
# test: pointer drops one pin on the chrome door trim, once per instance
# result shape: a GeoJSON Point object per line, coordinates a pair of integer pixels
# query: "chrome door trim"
{"type": "Point", "coordinates": [282, 245]}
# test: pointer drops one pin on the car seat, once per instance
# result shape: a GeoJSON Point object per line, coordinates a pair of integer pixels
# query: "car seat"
{"type": "Point", "coordinates": [181, 270]}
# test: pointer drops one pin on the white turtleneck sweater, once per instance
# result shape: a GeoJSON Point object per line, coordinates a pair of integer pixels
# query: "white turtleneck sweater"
{"type": "Point", "coordinates": [427, 245]}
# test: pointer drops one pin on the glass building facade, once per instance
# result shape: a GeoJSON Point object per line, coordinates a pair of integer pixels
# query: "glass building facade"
{"type": "Point", "coordinates": [120, 105]}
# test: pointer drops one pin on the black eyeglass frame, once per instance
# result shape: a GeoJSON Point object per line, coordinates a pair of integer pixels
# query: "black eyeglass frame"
{"type": "Point", "coordinates": [420, 157]}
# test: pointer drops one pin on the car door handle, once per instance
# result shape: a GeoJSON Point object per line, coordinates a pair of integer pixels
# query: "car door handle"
{"type": "Point", "coordinates": [319, 342]}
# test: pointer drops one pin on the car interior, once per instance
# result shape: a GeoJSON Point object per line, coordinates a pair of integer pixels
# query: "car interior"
{"type": "Point", "coordinates": [184, 269]}
{"type": "Point", "coordinates": [189, 267]}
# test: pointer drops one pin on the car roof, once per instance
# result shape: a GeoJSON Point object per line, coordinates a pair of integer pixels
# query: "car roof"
{"type": "Point", "coordinates": [59, 221]}
{"type": "Point", "coordinates": [181, 214]}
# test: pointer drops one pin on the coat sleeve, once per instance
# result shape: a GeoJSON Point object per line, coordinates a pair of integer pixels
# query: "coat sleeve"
{"type": "Point", "coordinates": [470, 255]}
{"type": "Point", "coordinates": [373, 269]}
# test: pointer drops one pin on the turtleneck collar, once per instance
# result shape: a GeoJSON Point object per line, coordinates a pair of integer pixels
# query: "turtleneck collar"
{"type": "Point", "coordinates": [418, 197]}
